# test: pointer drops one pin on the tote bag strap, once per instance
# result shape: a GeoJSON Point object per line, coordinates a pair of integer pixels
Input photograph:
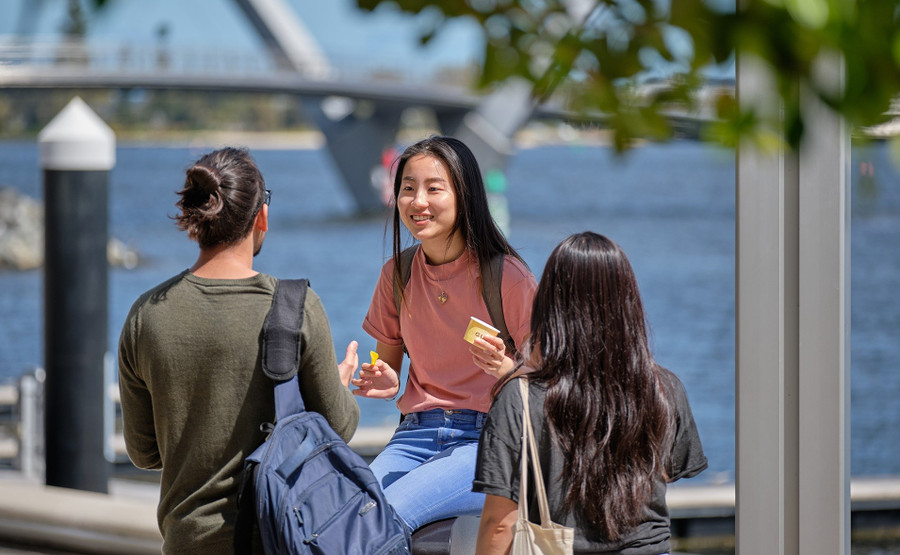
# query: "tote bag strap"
{"type": "Point", "coordinates": [529, 445]}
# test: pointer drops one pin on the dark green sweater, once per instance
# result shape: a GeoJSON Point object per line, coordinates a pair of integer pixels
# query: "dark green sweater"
{"type": "Point", "coordinates": [194, 395]}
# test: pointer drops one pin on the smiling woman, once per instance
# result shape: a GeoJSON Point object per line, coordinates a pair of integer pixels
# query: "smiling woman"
{"type": "Point", "coordinates": [440, 198]}
{"type": "Point", "coordinates": [427, 207]}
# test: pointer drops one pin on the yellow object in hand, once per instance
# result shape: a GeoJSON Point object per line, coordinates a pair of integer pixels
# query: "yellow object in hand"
{"type": "Point", "coordinates": [374, 356]}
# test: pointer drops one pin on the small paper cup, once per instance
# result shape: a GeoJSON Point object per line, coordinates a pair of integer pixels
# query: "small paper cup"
{"type": "Point", "coordinates": [478, 328]}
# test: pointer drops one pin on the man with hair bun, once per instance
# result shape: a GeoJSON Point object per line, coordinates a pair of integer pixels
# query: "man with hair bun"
{"type": "Point", "coordinates": [193, 392]}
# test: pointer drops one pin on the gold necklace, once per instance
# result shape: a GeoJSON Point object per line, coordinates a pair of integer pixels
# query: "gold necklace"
{"type": "Point", "coordinates": [442, 297]}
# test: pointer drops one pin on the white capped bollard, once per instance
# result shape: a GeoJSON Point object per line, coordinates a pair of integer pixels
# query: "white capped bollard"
{"type": "Point", "coordinates": [77, 150]}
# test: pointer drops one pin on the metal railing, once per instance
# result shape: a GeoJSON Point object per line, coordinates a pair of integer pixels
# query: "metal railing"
{"type": "Point", "coordinates": [23, 437]}
{"type": "Point", "coordinates": [22, 425]}
{"type": "Point", "coordinates": [127, 58]}
{"type": "Point", "coordinates": [134, 59]}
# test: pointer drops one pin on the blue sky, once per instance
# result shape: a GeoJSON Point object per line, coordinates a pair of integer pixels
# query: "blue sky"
{"type": "Point", "coordinates": [351, 39]}
{"type": "Point", "coordinates": [345, 33]}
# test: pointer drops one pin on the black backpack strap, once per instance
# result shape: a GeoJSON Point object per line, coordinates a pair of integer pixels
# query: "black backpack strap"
{"type": "Point", "coordinates": [406, 259]}
{"type": "Point", "coordinates": [281, 344]}
{"type": "Point", "coordinates": [400, 281]}
{"type": "Point", "coordinates": [281, 330]}
{"type": "Point", "coordinates": [491, 292]}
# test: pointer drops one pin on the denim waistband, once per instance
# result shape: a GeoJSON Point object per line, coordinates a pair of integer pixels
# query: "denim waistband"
{"type": "Point", "coordinates": [440, 416]}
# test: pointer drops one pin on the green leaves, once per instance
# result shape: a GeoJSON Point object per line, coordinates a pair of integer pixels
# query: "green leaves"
{"type": "Point", "coordinates": [603, 56]}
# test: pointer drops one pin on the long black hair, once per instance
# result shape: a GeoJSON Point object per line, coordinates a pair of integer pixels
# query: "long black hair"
{"type": "Point", "coordinates": [223, 191]}
{"type": "Point", "coordinates": [474, 222]}
{"type": "Point", "coordinates": [606, 405]}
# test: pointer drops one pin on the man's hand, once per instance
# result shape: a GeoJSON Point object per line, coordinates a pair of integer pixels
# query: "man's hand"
{"type": "Point", "coordinates": [347, 368]}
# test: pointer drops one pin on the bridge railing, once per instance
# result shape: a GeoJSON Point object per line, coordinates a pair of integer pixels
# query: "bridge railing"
{"type": "Point", "coordinates": [167, 60]}
{"type": "Point", "coordinates": [131, 58]}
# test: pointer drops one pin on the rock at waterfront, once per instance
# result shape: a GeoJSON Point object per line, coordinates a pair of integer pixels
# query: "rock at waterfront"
{"type": "Point", "coordinates": [22, 235]}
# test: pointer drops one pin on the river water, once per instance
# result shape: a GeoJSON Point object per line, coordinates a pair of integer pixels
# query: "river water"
{"type": "Point", "coordinates": [670, 206]}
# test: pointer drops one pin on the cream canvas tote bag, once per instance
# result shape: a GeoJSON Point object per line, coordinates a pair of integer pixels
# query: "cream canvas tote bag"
{"type": "Point", "coordinates": [528, 538]}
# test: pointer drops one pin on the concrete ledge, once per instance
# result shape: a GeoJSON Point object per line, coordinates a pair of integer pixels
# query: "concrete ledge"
{"type": "Point", "coordinates": [84, 522]}
{"type": "Point", "coordinates": [125, 520]}
{"type": "Point", "coordinates": [869, 493]}
{"type": "Point", "coordinates": [370, 440]}
{"type": "Point", "coordinates": [704, 501]}
{"type": "Point", "coordinates": [875, 494]}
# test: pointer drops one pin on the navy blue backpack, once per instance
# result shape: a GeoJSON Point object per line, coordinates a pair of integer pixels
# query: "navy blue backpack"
{"type": "Point", "coordinates": [312, 493]}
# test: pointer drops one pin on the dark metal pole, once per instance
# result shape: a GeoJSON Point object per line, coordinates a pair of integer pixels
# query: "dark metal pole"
{"type": "Point", "coordinates": [76, 156]}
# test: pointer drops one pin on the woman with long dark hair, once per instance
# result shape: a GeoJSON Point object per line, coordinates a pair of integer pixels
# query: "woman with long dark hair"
{"type": "Point", "coordinates": [612, 426]}
{"type": "Point", "coordinates": [427, 468]}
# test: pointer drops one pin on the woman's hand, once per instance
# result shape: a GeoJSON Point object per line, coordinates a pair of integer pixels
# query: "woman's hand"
{"type": "Point", "coordinates": [377, 381]}
{"type": "Point", "coordinates": [380, 380]}
{"type": "Point", "coordinates": [489, 354]}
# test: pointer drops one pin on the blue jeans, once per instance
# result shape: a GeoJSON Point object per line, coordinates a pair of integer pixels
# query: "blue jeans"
{"type": "Point", "coordinates": [427, 468]}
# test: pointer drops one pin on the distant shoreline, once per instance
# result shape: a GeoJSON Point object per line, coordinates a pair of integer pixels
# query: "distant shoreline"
{"type": "Point", "coordinates": [254, 140]}
{"type": "Point", "coordinates": [312, 139]}
{"type": "Point", "coordinates": [529, 137]}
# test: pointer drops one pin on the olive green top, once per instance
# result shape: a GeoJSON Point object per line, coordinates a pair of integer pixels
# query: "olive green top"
{"type": "Point", "coordinates": [194, 395]}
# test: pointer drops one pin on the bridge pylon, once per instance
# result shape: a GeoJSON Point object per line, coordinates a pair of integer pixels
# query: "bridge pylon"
{"type": "Point", "coordinates": [357, 132]}
{"type": "Point", "coordinates": [489, 129]}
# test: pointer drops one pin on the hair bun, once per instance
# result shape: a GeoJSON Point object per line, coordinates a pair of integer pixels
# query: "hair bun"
{"type": "Point", "coordinates": [220, 197]}
{"type": "Point", "coordinates": [204, 178]}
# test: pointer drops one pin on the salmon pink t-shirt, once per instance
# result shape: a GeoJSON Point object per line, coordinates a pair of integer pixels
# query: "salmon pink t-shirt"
{"type": "Point", "coordinates": [442, 373]}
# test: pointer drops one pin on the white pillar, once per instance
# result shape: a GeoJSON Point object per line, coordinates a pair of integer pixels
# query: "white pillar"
{"type": "Point", "coordinates": [792, 295]}
{"type": "Point", "coordinates": [766, 343]}
{"type": "Point", "coordinates": [824, 284]}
